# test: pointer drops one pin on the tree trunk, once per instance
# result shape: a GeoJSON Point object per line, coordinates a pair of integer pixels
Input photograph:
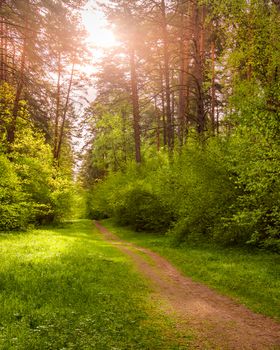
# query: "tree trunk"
{"type": "Point", "coordinates": [169, 126]}
{"type": "Point", "coordinates": [2, 53]}
{"type": "Point", "coordinates": [5, 74]}
{"type": "Point", "coordinates": [57, 112]}
{"type": "Point", "coordinates": [163, 105]}
{"type": "Point", "coordinates": [157, 114]}
{"type": "Point", "coordinates": [213, 92]}
{"type": "Point", "coordinates": [199, 37]}
{"type": "Point", "coordinates": [135, 104]}
{"type": "Point", "coordinates": [61, 133]}
{"type": "Point", "coordinates": [124, 143]}
{"type": "Point", "coordinates": [182, 74]}
{"type": "Point", "coordinates": [187, 79]}
{"type": "Point", "coordinates": [20, 83]}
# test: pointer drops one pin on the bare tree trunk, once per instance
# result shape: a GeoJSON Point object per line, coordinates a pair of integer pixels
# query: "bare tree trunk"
{"type": "Point", "coordinates": [157, 114]}
{"type": "Point", "coordinates": [173, 106]}
{"type": "Point", "coordinates": [217, 120]}
{"type": "Point", "coordinates": [65, 110]}
{"type": "Point", "coordinates": [187, 79]}
{"type": "Point", "coordinates": [57, 112]}
{"type": "Point", "coordinates": [135, 104]}
{"type": "Point", "coordinates": [124, 118]}
{"type": "Point", "coordinates": [2, 54]}
{"type": "Point", "coordinates": [182, 96]}
{"type": "Point", "coordinates": [199, 41]}
{"type": "Point", "coordinates": [3, 47]}
{"type": "Point", "coordinates": [163, 105]}
{"type": "Point", "coordinates": [169, 126]}
{"type": "Point", "coordinates": [13, 62]}
{"type": "Point", "coordinates": [5, 74]}
{"type": "Point", "coordinates": [20, 83]}
{"type": "Point", "coordinates": [213, 92]}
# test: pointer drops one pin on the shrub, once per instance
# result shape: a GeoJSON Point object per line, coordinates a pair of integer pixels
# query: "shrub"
{"type": "Point", "coordinates": [15, 210]}
{"type": "Point", "coordinates": [226, 191]}
{"type": "Point", "coordinates": [32, 190]}
{"type": "Point", "coordinates": [255, 164]}
{"type": "Point", "coordinates": [143, 210]}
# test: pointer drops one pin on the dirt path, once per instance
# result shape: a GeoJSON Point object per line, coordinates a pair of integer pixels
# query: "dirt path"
{"type": "Point", "coordinates": [218, 321]}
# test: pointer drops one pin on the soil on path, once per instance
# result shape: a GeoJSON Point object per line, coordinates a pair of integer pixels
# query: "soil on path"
{"type": "Point", "coordinates": [217, 321]}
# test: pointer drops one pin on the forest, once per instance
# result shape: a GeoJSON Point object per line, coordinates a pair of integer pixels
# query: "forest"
{"type": "Point", "coordinates": [185, 124]}
{"type": "Point", "coordinates": [170, 133]}
{"type": "Point", "coordinates": [182, 135]}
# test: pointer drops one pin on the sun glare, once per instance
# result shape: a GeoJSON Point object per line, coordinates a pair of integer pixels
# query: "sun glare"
{"type": "Point", "coordinates": [98, 34]}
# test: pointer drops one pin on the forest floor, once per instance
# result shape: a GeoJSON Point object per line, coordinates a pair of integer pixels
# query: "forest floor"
{"type": "Point", "coordinates": [217, 321]}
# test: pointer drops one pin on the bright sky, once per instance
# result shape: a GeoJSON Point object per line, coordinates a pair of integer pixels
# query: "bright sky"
{"type": "Point", "coordinates": [95, 24]}
{"type": "Point", "coordinates": [99, 38]}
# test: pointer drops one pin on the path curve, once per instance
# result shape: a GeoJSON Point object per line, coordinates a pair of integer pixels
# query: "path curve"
{"type": "Point", "coordinates": [218, 321]}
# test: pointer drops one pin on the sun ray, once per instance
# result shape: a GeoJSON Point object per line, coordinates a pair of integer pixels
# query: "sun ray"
{"type": "Point", "coordinates": [99, 35]}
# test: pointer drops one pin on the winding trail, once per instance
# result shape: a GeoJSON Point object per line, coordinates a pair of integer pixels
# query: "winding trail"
{"type": "Point", "coordinates": [217, 321]}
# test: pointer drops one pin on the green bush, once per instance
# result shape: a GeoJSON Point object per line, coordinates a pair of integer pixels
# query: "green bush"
{"type": "Point", "coordinates": [227, 191]}
{"type": "Point", "coordinates": [255, 215]}
{"type": "Point", "coordinates": [144, 211]}
{"type": "Point", "coordinates": [15, 210]}
{"type": "Point", "coordinates": [62, 197]}
{"type": "Point", "coordinates": [205, 192]}
{"type": "Point", "coordinates": [192, 188]}
{"type": "Point", "coordinates": [32, 189]}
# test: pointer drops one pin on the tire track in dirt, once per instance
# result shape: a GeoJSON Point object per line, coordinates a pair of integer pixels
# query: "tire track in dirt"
{"type": "Point", "coordinates": [217, 321]}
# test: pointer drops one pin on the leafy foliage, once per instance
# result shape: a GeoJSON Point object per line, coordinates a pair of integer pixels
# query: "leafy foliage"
{"type": "Point", "coordinates": [227, 192]}
{"type": "Point", "coordinates": [14, 207]}
{"type": "Point", "coordinates": [32, 190]}
{"type": "Point", "coordinates": [255, 213]}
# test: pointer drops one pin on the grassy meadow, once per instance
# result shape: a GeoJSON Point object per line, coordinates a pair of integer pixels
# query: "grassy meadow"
{"type": "Point", "coordinates": [252, 277]}
{"type": "Point", "coordinates": [65, 288]}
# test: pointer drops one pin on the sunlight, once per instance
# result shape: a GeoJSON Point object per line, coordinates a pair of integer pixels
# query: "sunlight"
{"type": "Point", "coordinates": [98, 34]}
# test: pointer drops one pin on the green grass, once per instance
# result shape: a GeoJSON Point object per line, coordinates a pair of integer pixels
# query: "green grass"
{"type": "Point", "coordinates": [251, 277]}
{"type": "Point", "coordinates": [68, 289]}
